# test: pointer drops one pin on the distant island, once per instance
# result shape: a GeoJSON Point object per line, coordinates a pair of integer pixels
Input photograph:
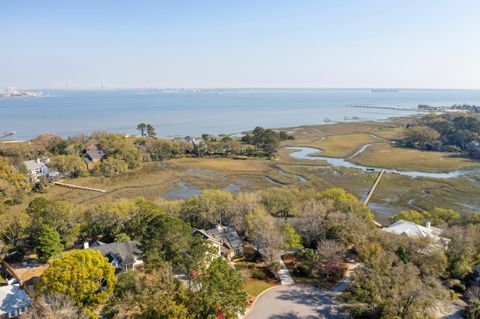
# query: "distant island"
{"type": "Point", "coordinates": [11, 92]}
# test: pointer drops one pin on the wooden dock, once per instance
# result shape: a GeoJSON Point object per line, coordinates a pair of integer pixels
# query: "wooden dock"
{"type": "Point", "coordinates": [372, 190]}
{"type": "Point", "coordinates": [80, 187]}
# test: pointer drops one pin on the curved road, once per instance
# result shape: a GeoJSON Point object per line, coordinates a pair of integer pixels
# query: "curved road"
{"type": "Point", "coordinates": [298, 302]}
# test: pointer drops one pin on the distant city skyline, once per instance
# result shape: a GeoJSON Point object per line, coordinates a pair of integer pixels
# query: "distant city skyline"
{"type": "Point", "coordinates": [431, 44]}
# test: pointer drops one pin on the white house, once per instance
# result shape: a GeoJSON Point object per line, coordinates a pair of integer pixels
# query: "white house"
{"type": "Point", "coordinates": [13, 301]}
{"type": "Point", "coordinates": [412, 230]}
{"type": "Point", "coordinates": [37, 168]}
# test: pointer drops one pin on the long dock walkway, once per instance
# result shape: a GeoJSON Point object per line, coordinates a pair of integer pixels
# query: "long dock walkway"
{"type": "Point", "coordinates": [80, 187]}
{"type": "Point", "coordinates": [367, 197]}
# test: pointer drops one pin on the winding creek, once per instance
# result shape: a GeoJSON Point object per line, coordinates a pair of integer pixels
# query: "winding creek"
{"type": "Point", "coordinates": [306, 153]}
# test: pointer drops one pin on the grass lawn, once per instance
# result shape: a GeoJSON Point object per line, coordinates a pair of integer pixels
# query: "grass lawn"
{"type": "Point", "coordinates": [255, 277]}
{"type": "Point", "coordinates": [343, 145]}
{"type": "Point", "coordinates": [389, 156]}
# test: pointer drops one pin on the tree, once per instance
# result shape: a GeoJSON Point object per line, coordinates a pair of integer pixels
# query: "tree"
{"type": "Point", "coordinates": [69, 165]}
{"type": "Point", "coordinates": [339, 200]}
{"type": "Point", "coordinates": [292, 239]}
{"type": "Point", "coordinates": [14, 231]}
{"type": "Point", "coordinates": [84, 276]}
{"type": "Point", "coordinates": [150, 295]}
{"type": "Point", "coordinates": [58, 215]}
{"type": "Point", "coordinates": [119, 147]}
{"type": "Point", "coordinates": [279, 202]}
{"type": "Point", "coordinates": [267, 141]}
{"type": "Point", "coordinates": [110, 167]}
{"type": "Point", "coordinates": [142, 128]}
{"type": "Point", "coordinates": [166, 239]}
{"type": "Point", "coordinates": [13, 183]}
{"type": "Point", "coordinates": [51, 307]}
{"type": "Point", "coordinates": [436, 216]}
{"type": "Point", "coordinates": [49, 243]}
{"type": "Point", "coordinates": [311, 224]}
{"type": "Point", "coordinates": [421, 136]}
{"type": "Point", "coordinates": [463, 249]}
{"type": "Point", "coordinates": [385, 287]}
{"type": "Point", "coordinates": [210, 207]}
{"type": "Point", "coordinates": [244, 203]}
{"type": "Point", "coordinates": [263, 228]}
{"type": "Point", "coordinates": [221, 292]}
{"type": "Point", "coordinates": [150, 131]}
{"type": "Point", "coordinates": [330, 255]}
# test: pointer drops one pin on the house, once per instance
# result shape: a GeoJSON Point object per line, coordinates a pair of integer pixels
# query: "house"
{"type": "Point", "coordinates": [123, 256]}
{"type": "Point", "coordinates": [412, 230]}
{"type": "Point", "coordinates": [93, 154]}
{"type": "Point", "coordinates": [231, 242]}
{"type": "Point", "coordinates": [37, 168]}
{"type": "Point", "coordinates": [26, 273]}
{"type": "Point", "coordinates": [220, 248]}
{"type": "Point", "coordinates": [13, 301]}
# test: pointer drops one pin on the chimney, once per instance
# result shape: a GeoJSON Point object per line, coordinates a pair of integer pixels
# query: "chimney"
{"type": "Point", "coordinates": [428, 224]}
{"type": "Point", "coordinates": [86, 245]}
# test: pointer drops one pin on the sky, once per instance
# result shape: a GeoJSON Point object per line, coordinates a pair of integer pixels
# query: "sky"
{"type": "Point", "coordinates": [248, 43]}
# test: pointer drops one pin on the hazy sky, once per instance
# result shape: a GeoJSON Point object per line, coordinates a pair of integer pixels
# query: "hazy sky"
{"type": "Point", "coordinates": [257, 43]}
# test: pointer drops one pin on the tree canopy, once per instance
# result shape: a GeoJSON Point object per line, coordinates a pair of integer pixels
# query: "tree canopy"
{"type": "Point", "coordinates": [84, 276]}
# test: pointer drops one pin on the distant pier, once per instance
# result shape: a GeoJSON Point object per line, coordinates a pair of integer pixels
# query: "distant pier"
{"type": "Point", "coordinates": [384, 107]}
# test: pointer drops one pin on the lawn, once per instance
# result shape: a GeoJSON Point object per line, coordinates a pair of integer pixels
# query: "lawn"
{"type": "Point", "coordinates": [389, 156]}
{"type": "Point", "coordinates": [256, 277]}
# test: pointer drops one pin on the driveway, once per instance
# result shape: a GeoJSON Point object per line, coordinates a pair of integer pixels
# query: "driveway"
{"type": "Point", "coordinates": [298, 302]}
{"type": "Point", "coordinates": [302, 301]}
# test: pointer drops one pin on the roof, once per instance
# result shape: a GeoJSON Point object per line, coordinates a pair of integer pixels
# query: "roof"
{"type": "Point", "coordinates": [34, 164]}
{"type": "Point", "coordinates": [125, 252]}
{"type": "Point", "coordinates": [206, 236]}
{"type": "Point", "coordinates": [26, 273]}
{"type": "Point", "coordinates": [12, 298]}
{"type": "Point", "coordinates": [227, 235]}
{"type": "Point", "coordinates": [403, 227]}
{"type": "Point", "coordinates": [94, 152]}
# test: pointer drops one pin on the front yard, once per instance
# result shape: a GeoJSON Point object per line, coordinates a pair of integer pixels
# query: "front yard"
{"type": "Point", "coordinates": [304, 273]}
{"type": "Point", "coordinates": [256, 276]}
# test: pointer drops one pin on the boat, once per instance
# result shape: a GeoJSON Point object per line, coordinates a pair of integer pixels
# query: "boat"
{"type": "Point", "coordinates": [9, 133]}
{"type": "Point", "coordinates": [327, 120]}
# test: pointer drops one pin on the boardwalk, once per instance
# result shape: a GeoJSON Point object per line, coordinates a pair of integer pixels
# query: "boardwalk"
{"type": "Point", "coordinates": [80, 187]}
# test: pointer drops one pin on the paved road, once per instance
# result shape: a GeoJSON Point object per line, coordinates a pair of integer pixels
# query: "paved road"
{"type": "Point", "coordinates": [298, 302]}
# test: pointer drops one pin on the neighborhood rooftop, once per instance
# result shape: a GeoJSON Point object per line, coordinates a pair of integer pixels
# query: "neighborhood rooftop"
{"type": "Point", "coordinates": [124, 254]}
{"type": "Point", "coordinates": [403, 227]}
{"type": "Point", "coordinates": [13, 300]}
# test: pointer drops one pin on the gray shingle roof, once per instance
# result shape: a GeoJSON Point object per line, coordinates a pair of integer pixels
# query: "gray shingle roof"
{"type": "Point", "coordinates": [13, 298]}
{"type": "Point", "coordinates": [228, 235]}
{"type": "Point", "coordinates": [125, 252]}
